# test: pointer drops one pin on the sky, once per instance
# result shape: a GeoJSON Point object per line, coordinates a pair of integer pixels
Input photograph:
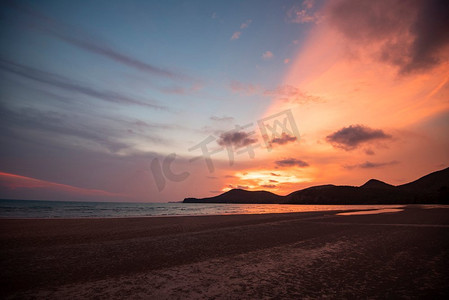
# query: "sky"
{"type": "Point", "coordinates": [156, 101]}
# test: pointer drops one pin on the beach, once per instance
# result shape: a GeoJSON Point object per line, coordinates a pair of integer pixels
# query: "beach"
{"type": "Point", "coordinates": [398, 254]}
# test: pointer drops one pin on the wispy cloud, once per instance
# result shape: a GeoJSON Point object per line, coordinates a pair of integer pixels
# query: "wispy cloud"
{"type": "Point", "coordinates": [236, 35]}
{"type": "Point", "coordinates": [222, 119]}
{"type": "Point", "coordinates": [246, 24]}
{"type": "Point", "coordinates": [286, 93]}
{"type": "Point", "coordinates": [70, 85]}
{"type": "Point", "coordinates": [290, 162]}
{"type": "Point", "coordinates": [100, 134]}
{"type": "Point", "coordinates": [303, 13]}
{"type": "Point", "coordinates": [14, 182]}
{"type": "Point", "coordinates": [267, 55]}
{"type": "Point", "coordinates": [289, 93]}
{"type": "Point", "coordinates": [239, 87]}
{"type": "Point", "coordinates": [88, 41]}
{"type": "Point", "coordinates": [372, 165]}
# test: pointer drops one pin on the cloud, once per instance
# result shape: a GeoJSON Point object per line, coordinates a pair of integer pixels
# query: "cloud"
{"type": "Point", "coordinates": [236, 35]}
{"type": "Point", "coordinates": [412, 35]}
{"type": "Point", "coordinates": [76, 129]}
{"type": "Point", "coordinates": [222, 119]}
{"type": "Point", "coordinates": [267, 55]}
{"type": "Point", "coordinates": [286, 61]}
{"type": "Point", "coordinates": [246, 24]}
{"type": "Point", "coordinates": [372, 165]}
{"type": "Point", "coordinates": [289, 93]}
{"type": "Point", "coordinates": [268, 186]}
{"type": "Point", "coordinates": [284, 139]}
{"type": "Point", "coordinates": [17, 183]}
{"type": "Point", "coordinates": [249, 89]}
{"type": "Point", "coordinates": [87, 41]}
{"type": "Point", "coordinates": [349, 138]}
{"type": "Point", "coordinates": [303, 13]}
{"type": "Point", "coordinates": [237, 139]}
{"type": "Point", "coordinates": [308, 3]}
{"type": "Point", "coordinates": [67, 84]}
{"type": "Point", "coordinates": [369, 152]}
{"type": "Point", "coordinates": [290, 162]}
{"type": "Point", "coordinates": [242, 187]}
{"type": "Point", "coordinates": [286, 93]}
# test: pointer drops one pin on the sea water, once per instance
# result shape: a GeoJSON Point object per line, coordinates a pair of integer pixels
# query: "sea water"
{"type": "Point", "coordinates": [65, 209]}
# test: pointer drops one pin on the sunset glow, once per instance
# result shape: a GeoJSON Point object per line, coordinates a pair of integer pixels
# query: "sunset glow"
{"type": "Point", "coordinates": [157, 102]}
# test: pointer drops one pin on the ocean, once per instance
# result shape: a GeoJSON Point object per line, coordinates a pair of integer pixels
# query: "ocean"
{"type": "Point", "coordinates": [63, 209]}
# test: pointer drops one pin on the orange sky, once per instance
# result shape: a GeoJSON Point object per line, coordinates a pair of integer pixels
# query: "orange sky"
{"type": "Point", "coordinates": [336, 82]}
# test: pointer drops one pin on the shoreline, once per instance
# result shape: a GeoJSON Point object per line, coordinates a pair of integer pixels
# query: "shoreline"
{"type": "Point", "coordinates": [316, 206]}
{"type": "Point", "coordinates": [308, 254]}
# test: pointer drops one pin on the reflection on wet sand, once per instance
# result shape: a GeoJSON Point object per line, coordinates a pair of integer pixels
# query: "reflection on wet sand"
{"type": "Point", "coordinates": [371, 212]}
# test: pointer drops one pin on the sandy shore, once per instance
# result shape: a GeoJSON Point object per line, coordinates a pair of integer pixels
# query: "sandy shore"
{"type": "Point", "coordinates": [298, 255]}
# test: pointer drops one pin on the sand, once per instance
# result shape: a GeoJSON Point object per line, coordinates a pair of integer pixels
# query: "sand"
{"type": "Point", "coordinates": [401, 254]}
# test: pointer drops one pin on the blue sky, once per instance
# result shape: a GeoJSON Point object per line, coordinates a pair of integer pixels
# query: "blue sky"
{"type": "Point", "coordinates": [191, 40]}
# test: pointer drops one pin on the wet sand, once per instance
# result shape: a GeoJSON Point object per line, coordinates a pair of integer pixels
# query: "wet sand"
{"type": "Point", "coordinates": [321, 255]}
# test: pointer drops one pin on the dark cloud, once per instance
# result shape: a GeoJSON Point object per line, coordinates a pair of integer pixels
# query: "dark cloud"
{"type": "Point", "coordinates": [431, 31]}
{"type": "Point", "coordinates": [86, 40]}
{"type": "Point", "coordinates": [236, 139]}
{"type": "Point", "coordinates": [67, 84]}
{"type": "Point", "coordinates": [222, 119]}
{"type": "Point", "coordinates": [371, 165]}
{"type": "Point", "coordinates": [411, 34]}
{"type": "Point", "coordinates": [349, 138]}
{"type": "Point", "coordinates": [369, 152]}
{"type": "Point", "coordinates": [290, 162]}
{"type": "Point", "coordinates": [284, 139]}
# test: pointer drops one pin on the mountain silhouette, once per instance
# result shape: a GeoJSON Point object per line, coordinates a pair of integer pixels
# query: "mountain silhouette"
{"type": "Point", "coordinates": [240, 196]}
{"type": "Point", "coordinates": [432, 188]}
{"type": "Point", "coordinates": [374, 183]}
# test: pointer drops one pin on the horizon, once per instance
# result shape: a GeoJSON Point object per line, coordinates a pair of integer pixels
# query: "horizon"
{"type": "Point", "coordinates": [155, 102]}
{"type": "Point", "coordinates": [182, 201]}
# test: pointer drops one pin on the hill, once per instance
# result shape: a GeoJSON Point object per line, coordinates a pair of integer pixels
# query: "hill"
{"type": "Point", "coordinates": [240, 196]}
{"type": "Point", "coordinates": [431, 188]}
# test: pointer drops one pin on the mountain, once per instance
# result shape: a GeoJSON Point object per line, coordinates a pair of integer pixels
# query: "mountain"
{"type": "Point", "coordinates": [376, 184]}
{"type": "Point", "coordinates": [239, 196]}
{"type": "Point", "coordinates": [432, 188]}
{"type": "Point", "coordinates": [431, 182]}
